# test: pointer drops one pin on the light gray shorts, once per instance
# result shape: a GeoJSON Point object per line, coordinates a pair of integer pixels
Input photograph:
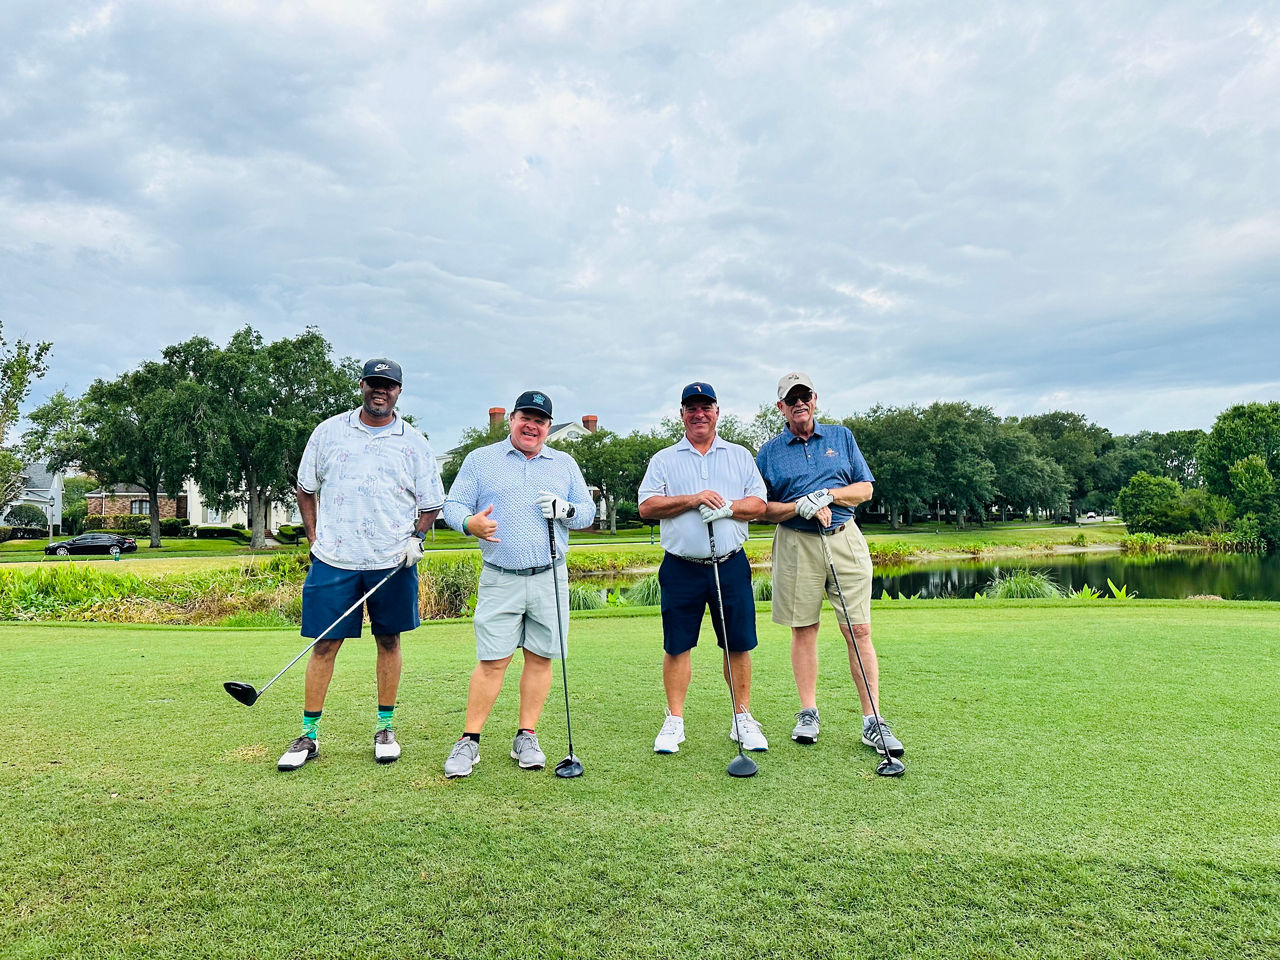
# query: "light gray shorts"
{"type": "Point", "coordinates": [514, 612]}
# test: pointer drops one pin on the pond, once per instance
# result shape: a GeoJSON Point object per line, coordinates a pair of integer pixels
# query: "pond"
{"type": "Point", "coordinates": [1171, 575]}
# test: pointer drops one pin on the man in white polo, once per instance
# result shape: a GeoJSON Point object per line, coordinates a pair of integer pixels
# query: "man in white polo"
{"type": "Point", "coordinates": [816, 476]}
{"type": "Point", "coordinates": [700, 480]}
{"type": "Point", "coordinates": [368, 491]}
{"type": "Point", "coordinates": [504, 494]}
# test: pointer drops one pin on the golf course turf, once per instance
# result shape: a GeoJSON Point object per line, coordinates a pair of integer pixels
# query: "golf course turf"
{"type": "Point", "coordinates": [1083, 780]}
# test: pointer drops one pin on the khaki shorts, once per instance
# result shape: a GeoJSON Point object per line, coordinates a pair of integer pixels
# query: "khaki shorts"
{"type": "Point", "coordinates": [514, 612]}
{"type": "Point", "coordinates": [801, 576]}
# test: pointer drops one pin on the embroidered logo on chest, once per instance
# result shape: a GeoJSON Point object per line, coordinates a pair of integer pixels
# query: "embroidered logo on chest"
{"type": "Point", "coordinates": [829, 453]}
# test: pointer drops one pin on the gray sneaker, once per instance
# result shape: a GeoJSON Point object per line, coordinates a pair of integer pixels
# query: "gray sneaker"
{"type": "Point", "coordinates": [464, 755]}
{"type": "Point", "coordinates": [871, 737]}
{"type": "Point", "coordinates": [525, 750]}
{"type": "Point", "coordinates": [806, 728]}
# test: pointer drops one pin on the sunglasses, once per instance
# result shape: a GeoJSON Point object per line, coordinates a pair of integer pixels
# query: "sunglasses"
{"type": "Point", "coordinates": [380, 383]}
{"type": "Point", "coordinates": [800, 396]}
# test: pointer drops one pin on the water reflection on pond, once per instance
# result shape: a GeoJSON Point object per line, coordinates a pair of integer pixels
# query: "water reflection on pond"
{"type": "Point", "coordinates": [1174, 576]}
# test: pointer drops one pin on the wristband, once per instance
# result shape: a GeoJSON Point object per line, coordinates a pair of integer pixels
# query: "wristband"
{"type": "Point", "coordinates": [464, 524]}
{"type": "Point", "coordinates": [421, 535]}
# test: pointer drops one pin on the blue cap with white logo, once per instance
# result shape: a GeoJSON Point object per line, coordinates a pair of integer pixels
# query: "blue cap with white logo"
{"type": "Point", "coordinates": [382, 367]}
{"type": "Point", "coordinates": [533, 400]}
{"type": "Point", "coordinates": [698, 389]}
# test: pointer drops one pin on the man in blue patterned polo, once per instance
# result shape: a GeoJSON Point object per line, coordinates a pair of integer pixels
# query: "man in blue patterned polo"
{"type": "Point", "coordinates": [504, 495]}
{"type": "Point", "coordinates": [816, 476]}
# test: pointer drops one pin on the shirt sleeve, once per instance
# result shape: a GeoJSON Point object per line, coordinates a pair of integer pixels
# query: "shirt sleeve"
{"type": "Point", "coordinates": [762, 465]}
{"type": "Point", "coordinates": [755, 485]}
{"type": "Point", "coordinates": [309, 467]}
{"type": "Point", "coordinates": [462, 495]}
{"type": "Point", "coordinates": [584, 508]}
{"type": "Point", "coordinates": [427, 485]}
{"type": "Point", "coordinates": [654, 483]}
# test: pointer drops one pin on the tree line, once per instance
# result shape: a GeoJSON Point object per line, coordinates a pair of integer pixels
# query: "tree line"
{"type": "Point", "coordinates": [236, 418]}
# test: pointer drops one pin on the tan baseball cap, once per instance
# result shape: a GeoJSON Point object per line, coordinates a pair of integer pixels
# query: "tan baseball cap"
{"type": "Point", "coordinates": [791, 380]}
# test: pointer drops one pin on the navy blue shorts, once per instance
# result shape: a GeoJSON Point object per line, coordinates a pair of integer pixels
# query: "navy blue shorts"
{"type": "Point", "coordinates": [330, 590]}
{"type": "Point", "coordinates": [688, 589]}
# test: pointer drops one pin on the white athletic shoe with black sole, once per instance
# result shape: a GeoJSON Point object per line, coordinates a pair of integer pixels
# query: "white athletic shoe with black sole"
{"type": "Point", "coordinates": [385, 748]}
{"type": "Point", "coordinates": [752, 736]}
{"type": "Point", "coordinates": [670, 736]}
{"type": "Point", "coordinates": [298, 753]}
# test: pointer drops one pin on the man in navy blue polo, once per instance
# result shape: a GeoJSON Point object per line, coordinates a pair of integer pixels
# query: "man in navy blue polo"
{"type": "Point", "coordinates": [703, 479]}
{"type": "Point", "coordinates": [816, 476]}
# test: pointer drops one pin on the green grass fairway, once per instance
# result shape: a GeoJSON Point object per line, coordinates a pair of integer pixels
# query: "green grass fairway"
{"type": "Point", "coordinates": [1084, 780]}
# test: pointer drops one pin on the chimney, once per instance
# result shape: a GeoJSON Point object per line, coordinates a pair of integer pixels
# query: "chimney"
{"type": "Point", "coordinates": [496, 416]}
{"type": "Point", "coordinates": [591, 422]}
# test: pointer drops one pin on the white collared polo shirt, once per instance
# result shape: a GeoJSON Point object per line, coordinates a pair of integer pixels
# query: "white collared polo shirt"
{"type": "Point", "coordinates": [372, 486]}
{"type": "Point", "coordinates": [680, 470]}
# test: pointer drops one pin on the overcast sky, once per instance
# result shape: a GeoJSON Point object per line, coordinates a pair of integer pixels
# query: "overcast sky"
{"type": "Point", "coordinates": [1026, 205]}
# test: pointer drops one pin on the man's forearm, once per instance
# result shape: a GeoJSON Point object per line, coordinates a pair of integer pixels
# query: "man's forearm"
{"type": "Point", "coordinates": [307, 507]}
{"type": "Point", "coordinates": [775, 511]}
{"type": "Point", "coordinates": [748, 509]}
{"type": "Point", "coordinates": [853, 494]}
{"type": "Point", "coordinates": [664, 508]}
{"type": "Point", "coordinates": [426, 519]}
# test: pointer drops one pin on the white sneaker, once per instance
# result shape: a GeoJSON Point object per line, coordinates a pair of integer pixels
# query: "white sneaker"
{"type": "Point", "coordinates": [752, 735]}
{"type": "Point", "coordinates": [299, 752]}
{"type": "Point", "coordinates": [670, 736]}
{"type": "Point", "coordinates": [385, 748]}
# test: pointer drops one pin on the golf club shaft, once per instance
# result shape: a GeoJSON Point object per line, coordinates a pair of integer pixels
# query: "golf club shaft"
{"type": "Point", "coordinates": [724, 629]}
{"type": "Point", "coordinates": [564, 673]}
{"type": "Point", "coordinates": [875, 709]}
{"type": "Point", "coordinates": [326, 630]}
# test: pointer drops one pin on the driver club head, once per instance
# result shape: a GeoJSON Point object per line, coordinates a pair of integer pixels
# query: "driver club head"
{"type": "Point", "coordinates": [569, 767]}
{"type": "Point", "coordinates": [243, 692]}
{"type": "Point", "coordinates": [891, 767]}
{"type": "Point", "coordinates": [742, 766]}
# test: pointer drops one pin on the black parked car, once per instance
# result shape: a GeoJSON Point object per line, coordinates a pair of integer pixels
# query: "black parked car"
{"type": "Point", "coordinates": [92, 543]}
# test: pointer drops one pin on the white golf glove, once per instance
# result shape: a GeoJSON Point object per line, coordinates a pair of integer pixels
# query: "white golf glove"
{"type": "Point", "coordinates": [413, 551]}
{"type": "Point", "coordinates": [718, 513]}
{"type": "Point", "coordinates": [554, 508]}
{"type": "Point", "coordinates": [811, 503]}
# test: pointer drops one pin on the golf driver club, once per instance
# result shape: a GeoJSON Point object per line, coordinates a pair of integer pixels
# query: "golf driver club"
{"type": "Point", "coordinates": [570, 766]}
{"type": "Point", "coordinates": [245, 693]}
{"type": "Point", "coordinates": [890, 766]}
{"type": "Point", "coordinates": [741, 765]}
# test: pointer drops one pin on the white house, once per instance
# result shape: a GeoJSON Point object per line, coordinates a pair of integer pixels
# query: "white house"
{"type": "Point", "coordinates": [43, 490]}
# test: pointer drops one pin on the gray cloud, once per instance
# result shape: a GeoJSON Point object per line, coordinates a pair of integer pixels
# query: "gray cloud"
{"type": "Point", "coordinates": [1021, 206]}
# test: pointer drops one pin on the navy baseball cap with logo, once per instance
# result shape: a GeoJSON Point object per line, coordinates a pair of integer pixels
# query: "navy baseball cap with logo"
{"type": "Point", "coordinates": [533, 400]}
{"type": "Point", "coordinates": [383, 367]}
{"type": "Point", "coordinates": [698, 389]}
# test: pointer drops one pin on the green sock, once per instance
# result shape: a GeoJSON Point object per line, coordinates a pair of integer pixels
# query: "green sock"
{"type": "Point", "coordinates": [310, 720]}
{"type": "Point", "coordinates": [384, 716]}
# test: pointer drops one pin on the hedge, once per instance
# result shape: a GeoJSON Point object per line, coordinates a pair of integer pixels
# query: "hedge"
{"type": "Point", "coordinates": [22, 533]}
{"type": "Point", "coordinates": [220, 533]}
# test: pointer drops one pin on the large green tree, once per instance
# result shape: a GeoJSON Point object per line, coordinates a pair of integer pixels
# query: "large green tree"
{"type": "Point", "coordinates": [615, 464]}
{"type": "Point", "coordinates": [895, 443]}
{"type": "Point", "coordinates": [473, 438]}
{"type": "Point", "coordinates": [134, 429]}
{"type": "Point", "coordinates": [1025, 481]}
{"type": "Point", "coordinates": [962, 436]}
{"type": "Point", "coordinates": [1074, 443]}
{"type": "Point", "coordinates": [21, 365]}
{"type": "Point", "coordinates": [254, 409]}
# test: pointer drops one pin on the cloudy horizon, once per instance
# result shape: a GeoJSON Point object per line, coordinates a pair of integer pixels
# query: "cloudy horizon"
{"type": "Point", "coordinates": [1024, 206]}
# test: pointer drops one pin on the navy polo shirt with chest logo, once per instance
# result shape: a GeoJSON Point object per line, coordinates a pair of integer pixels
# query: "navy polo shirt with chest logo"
{"type": "Point", "coordinates": [792, 467]}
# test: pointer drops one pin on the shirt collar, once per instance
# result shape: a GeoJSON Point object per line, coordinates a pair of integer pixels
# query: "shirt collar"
{"type": "Point", "coordinates": [716, 444]}
{"type": "Point", "coordinates": [354, 421]}
{"type": "Point", "coordinates": [540, 455]}
{"type": "Point", "coordinates": [790, 437]}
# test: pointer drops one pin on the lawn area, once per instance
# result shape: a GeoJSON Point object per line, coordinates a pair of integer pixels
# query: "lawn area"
{"type": "Point", "coordinates": [32, 551]}
{"type": "Point", "coordinates": [1084, 780]}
